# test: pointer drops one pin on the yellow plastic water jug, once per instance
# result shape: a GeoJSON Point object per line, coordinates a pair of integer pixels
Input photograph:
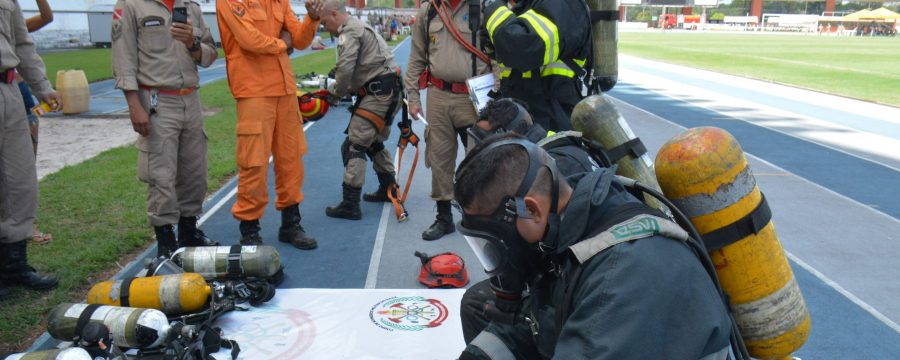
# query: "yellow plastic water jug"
{"type": "Point", "coordinates": [72, 86]}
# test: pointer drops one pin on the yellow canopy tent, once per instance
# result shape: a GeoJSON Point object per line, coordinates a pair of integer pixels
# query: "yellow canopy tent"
{"type": "Point", "coordinates": [864, 13]}
{"type": "Point", "coordinates": [883, 13]}
{"type": "Point", "coordinates": [877, 14]}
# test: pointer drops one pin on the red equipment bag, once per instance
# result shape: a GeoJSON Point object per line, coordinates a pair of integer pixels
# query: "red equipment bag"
{"type": "Point", "coordinates": [446, 270]}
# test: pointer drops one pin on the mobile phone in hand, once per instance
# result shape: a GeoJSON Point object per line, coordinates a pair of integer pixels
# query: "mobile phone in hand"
{"type": "Point", "coordinates": [179, 15]}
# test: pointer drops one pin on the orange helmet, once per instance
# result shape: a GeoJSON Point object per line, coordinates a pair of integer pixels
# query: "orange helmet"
{"type": "Point", "coordinates": [446, 270]}
{"type": "Point", "coordinates": [312, 106]}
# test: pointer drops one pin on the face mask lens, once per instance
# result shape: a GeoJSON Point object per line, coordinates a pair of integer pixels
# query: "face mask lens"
{"type": "Point", "coordinates": [488, 252]}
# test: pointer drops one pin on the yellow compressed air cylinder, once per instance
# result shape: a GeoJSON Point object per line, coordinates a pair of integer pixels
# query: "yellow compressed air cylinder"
{"type": "Point", "coordinates": [704, 172]}
{"type": "Point", "coordinates": [172, 294]}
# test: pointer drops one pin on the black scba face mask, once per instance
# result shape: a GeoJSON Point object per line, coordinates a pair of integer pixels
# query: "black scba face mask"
{"type": "Point", "coordinates": [504, 253]}
{"type": "Point", "coordinates": [517, 125]}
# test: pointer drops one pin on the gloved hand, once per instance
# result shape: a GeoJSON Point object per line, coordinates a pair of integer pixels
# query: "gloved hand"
{"type": "Point", "coordinates": [504, 312]}
{"type": "Point", "coordinates": [327, 95]}
{"type": "Point", "coordinates": [487, 47]}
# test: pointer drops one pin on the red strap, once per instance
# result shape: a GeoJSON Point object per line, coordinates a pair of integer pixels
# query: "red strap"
{"type": "Point", "coordinates": [9, 76]}
{"type": "Point", "coordinates": [169, 4]}
{"type": "Point", "coordinates": [459, 88]}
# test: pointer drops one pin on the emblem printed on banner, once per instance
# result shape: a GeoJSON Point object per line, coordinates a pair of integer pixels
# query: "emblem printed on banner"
{"type": "Point", "coordinates": [410, 313]}
{"type": "Point", "coordinates": [271, 332]}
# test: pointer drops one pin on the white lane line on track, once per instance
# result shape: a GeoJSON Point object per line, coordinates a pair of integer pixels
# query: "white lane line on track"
{"type": "Point", "coordinates": [847, 294]}
{"type": "Point", "coordinates": [218, 205]}
{"type": "Point", "coordinates": [810, 140]}
{"type": "Point", "coordinates": [822, 277]}
{"type": "Point", "coordinates": [375, 260]}
{"type": "Point", "coordinates": [842, 196]}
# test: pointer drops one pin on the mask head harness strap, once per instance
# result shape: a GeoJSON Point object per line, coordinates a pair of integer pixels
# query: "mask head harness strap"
{"type": "Point", "coordinates": [517, 124]}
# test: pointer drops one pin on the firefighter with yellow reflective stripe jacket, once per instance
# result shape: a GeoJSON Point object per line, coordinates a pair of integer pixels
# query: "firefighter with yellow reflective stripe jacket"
{"type": "Point", "coordinates": [541, 47]}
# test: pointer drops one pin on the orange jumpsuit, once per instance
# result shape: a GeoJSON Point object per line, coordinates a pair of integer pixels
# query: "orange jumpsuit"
{"type": "Point", "coordinates": [261, 80]}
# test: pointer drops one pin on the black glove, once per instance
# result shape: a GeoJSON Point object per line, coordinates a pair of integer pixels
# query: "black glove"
{"type": "Point", "coordinates": [487, 47]}
{"type": "Point", "coordinates": [504, 312]}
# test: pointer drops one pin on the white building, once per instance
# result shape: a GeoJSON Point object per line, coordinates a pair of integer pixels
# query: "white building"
{"type": "Point", "coordinates": [70, 26]}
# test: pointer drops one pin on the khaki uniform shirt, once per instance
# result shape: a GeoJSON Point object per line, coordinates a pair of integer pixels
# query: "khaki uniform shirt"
{"type": "Point", "coordinates": [144, 52]}
{"type": "Point", "coordinates": [449, 60]}
{"type": "Point", "coordinates": [17, 49]}
{"type": "Point", "coordinates": [362, 56]}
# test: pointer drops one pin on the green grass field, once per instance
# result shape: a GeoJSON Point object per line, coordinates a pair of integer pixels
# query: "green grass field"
{"type": "Point", "coordinates": [96, 63]}
{"type": "Point", "coordinates": [96, 213]}
{"type": "Point", "coordinates": [859, 67]}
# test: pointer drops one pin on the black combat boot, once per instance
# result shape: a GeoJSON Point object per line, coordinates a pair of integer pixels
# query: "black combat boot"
{"type": "Point", "coordinates": [250, 233]}
{"type": "Point", "coordinates": [292, 232]}
{"type": "Point", "coordinates": [385, 182]}
{"type": "Point", "coordinates": [14, 268]}
{"type": "Point", "coordinates": [443, 224]}
{"type": "Point", "coordinates": [190, 235]}
{"type": "Point", "coordinates": [165, 240]}
{"type": "Point", "coordinates": [349, 207]}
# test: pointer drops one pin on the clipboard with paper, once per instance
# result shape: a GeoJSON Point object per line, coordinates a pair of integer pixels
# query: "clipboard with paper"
{"type": "Point", "coordinates": [479, 87]}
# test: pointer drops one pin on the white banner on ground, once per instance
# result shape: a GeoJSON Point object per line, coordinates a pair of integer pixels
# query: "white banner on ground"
{"type": "Point", "coordinates": [349, 324]}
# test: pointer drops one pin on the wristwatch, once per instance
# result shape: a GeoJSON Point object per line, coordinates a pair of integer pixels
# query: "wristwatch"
{"type": "Point", "coordinates": [196, 45]}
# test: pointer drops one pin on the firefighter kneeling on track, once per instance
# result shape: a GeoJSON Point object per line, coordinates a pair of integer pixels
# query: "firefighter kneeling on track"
{"type": "Point", "coordinates": [365, 65]}
{"type": "Point", "coordinates": [583, 272]}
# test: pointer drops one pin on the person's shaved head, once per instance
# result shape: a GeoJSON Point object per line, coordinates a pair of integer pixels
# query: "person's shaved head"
{"type": "Point", "coordinates": [333, 15]}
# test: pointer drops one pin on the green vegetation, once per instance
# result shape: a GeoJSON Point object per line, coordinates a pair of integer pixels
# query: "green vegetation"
{"type": "Point", "coordinates": [858, 67]}
{"type": "Point", "coordinates": [397, 40]}
{"type": "Point", "coordinates": [96, 212]}
{"type": "Point", "coordinates": [96, 63]}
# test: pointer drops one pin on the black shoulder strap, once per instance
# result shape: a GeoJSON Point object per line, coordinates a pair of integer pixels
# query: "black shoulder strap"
{"type": "Point", "coordinates": [474, 22]}
{"type": "Point", "coordinates": [751, 223]}
{"type": "Point", "coordinates": [633, 147]}
{"type": "Point", "coordinates": [432, 12]}
{"type": "Point", "coordinates": [233, 268]}
{"type": "Point", "coordinates": [125, 291]}
{"type": "Point", "coordinates": [84, 318]}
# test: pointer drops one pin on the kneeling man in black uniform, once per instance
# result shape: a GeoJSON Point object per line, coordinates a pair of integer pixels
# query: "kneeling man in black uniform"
{"type": "Point", "coordinates": [583, 272]}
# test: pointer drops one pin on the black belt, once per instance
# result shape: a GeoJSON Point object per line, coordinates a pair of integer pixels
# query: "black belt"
{"type": "Point", "coordinates": [381, 85]}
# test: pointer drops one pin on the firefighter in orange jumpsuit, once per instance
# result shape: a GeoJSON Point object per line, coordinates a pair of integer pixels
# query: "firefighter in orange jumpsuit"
{"type": "Point", "coordinates": [257, 36]}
